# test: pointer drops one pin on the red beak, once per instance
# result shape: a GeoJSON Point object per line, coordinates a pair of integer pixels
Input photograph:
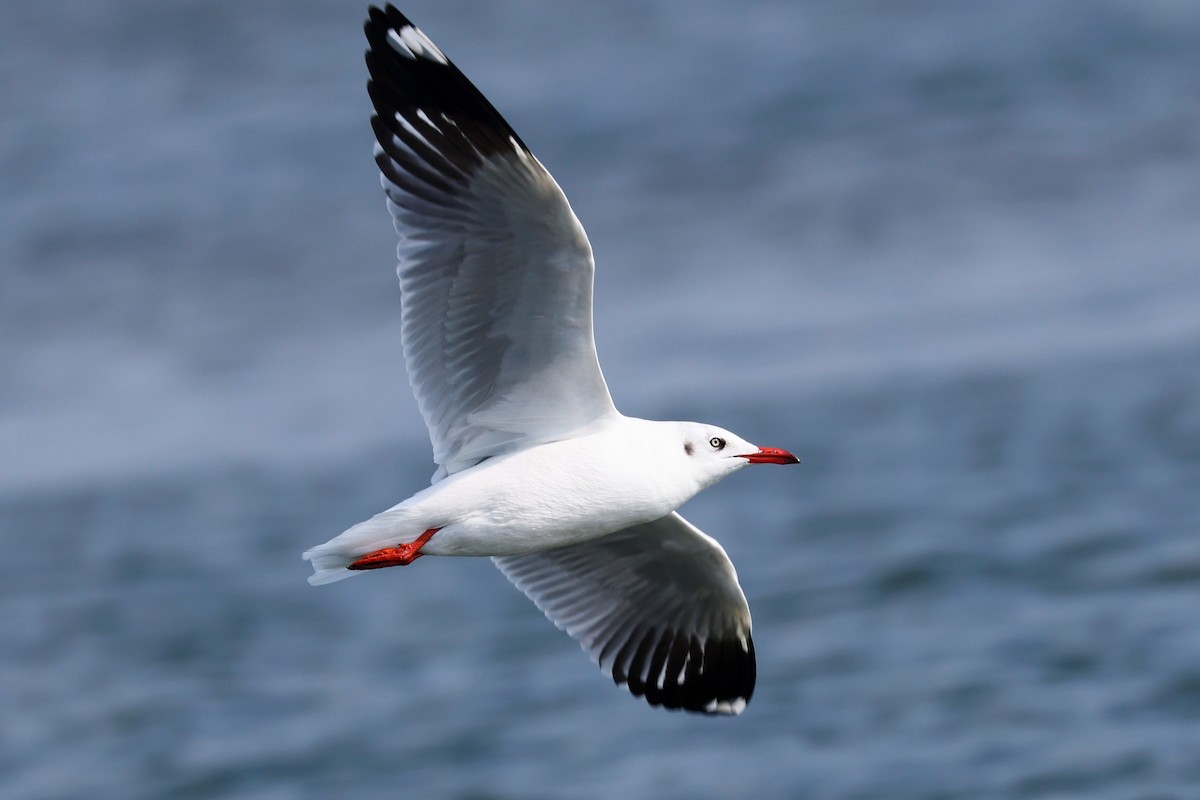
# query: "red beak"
{"type": "Point", "coordinates": [771, 455]}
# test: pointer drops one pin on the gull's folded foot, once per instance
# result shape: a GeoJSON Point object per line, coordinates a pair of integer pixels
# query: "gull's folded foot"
{"type": "Point", "coordinates": [399, 556]}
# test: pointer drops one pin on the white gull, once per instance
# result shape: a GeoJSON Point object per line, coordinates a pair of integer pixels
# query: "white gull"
{"type": "Point", "coordinates": [574, 502]}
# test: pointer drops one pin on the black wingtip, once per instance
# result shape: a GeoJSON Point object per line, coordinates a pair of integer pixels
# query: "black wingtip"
{"type": "Point", "coordinates": [716, 677]}
{"type": "Point", "coordinates": [411, 76]}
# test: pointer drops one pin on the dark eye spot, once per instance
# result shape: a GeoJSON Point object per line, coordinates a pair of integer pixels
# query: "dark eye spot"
{"type": "Point", "coordinates": [687, 448]}
{"type": "Point", "coordinates": [717, 443]}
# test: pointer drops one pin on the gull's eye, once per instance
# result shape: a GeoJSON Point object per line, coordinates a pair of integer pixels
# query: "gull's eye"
{"type": "Point", "coordinates": [717, 443]}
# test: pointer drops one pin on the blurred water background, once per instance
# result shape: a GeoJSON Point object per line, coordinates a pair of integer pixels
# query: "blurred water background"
{"type": "Point", "coordinates": [946, 251]}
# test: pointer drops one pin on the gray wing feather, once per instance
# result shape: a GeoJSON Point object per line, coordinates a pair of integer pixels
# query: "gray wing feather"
{"type": "Point", "coordinates": [495, 269]}
{"type": "Point", "coordinates": [658, 606]}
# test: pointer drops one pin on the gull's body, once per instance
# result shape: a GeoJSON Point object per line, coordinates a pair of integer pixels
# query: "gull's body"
{"type": "Point", "coordinates": [537, 469]}
{"type": "Point", "coordinates": [512, 504]}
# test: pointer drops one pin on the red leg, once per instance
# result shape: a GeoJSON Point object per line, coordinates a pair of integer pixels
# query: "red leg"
{"type": "Point", "coordinates": [399, 556]}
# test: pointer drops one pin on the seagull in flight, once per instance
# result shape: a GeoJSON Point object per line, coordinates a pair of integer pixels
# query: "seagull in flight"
{"type": "Point", "coordinates": [572, 500]}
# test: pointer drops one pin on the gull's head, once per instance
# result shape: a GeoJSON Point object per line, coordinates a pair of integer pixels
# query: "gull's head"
{"type": "Point", "coordinates": [711, 453]}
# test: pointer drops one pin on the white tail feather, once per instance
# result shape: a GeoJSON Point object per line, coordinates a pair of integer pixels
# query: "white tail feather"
{"type": "Point", "coordinates": [329, 564]}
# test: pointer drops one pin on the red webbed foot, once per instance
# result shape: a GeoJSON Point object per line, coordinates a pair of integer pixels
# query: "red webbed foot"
{"type": "Point", "coordinates": [399, 556]}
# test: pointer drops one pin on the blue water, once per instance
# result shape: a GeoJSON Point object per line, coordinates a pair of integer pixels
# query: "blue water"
{"type": "Point", "coordinates": [945, 251]}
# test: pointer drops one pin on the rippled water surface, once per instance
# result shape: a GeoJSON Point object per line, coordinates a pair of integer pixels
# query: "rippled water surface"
{"type": "Point", "coordinates": [946, 252]}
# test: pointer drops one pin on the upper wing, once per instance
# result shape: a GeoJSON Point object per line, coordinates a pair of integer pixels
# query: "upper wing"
{"type": "Point", "coordinates": [658, 606]}
{"type": "Point", "coordinates": [495, 269]}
